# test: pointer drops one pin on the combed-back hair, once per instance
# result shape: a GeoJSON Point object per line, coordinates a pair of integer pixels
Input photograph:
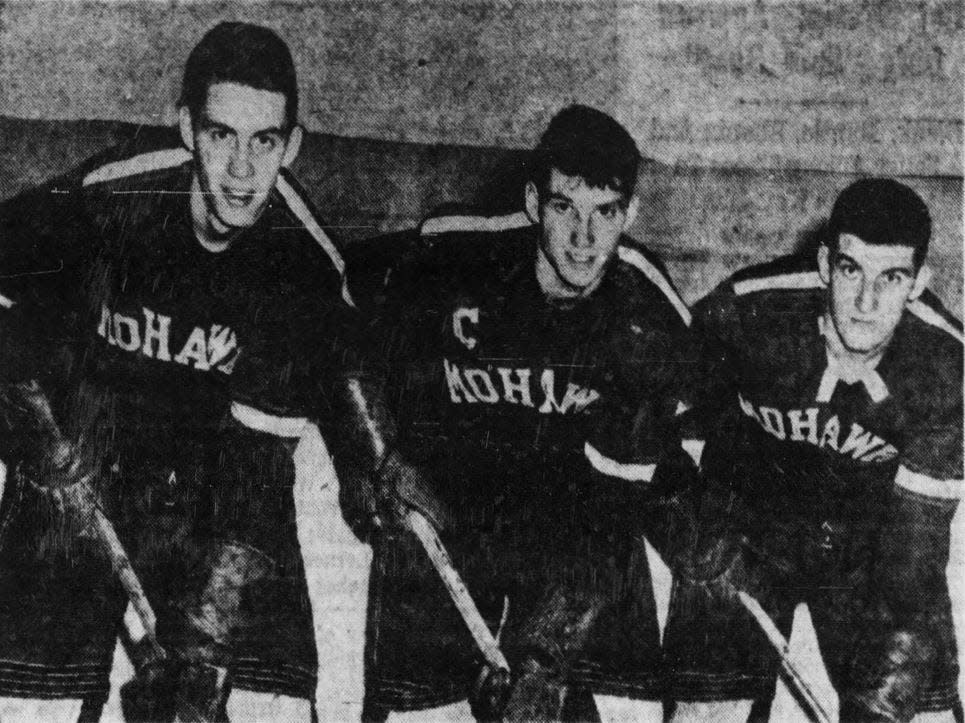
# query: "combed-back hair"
{"type": "Point", "coordinates": [585, 142]}
{"type": "Point", "coordinates": [234, 52]}
{"type": "Point", "coordinates": [881, 211]}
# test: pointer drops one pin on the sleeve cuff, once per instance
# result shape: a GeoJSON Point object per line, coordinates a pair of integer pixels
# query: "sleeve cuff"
{"type": "Point", "coordinates": [945, 489]}
{"type": "Point", "coordinates": [267, 423]}
{"type": "Point", "coordinates": [621, 470]}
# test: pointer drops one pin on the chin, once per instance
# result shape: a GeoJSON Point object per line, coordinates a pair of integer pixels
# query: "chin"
{"type": "Point", "coordinates": [234, 219]}
{"type": "Point", "coordinates": [581, 280]}
{"type": "Point", "coordinates": [861, 343]}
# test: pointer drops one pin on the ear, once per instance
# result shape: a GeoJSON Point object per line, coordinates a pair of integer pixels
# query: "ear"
{"type": "Point", "coordinates": [186, 127]}
{"type": "Point", "coordinates": [824, 264]}
{"type": "Point", "coordinates": [632, 207]}
{"type": "Point", "coordinates": [532, 202]}
{"type": "Point", "coordinates": [922, 279]}
{"type": "Point", "coordinates": [293, 145]}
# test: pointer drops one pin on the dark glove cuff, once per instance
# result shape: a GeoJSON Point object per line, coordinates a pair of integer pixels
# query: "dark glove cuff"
{"type": "Point", "coordinates": [403, 485]}
{"type": "Point", "coordinates": [546, 657]}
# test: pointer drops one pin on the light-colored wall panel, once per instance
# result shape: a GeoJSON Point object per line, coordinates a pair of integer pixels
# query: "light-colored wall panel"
{"type": "Point", "coordinates": [846, 86]}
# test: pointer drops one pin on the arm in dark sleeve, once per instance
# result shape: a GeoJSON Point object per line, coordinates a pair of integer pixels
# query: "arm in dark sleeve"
{"type": "Point", "coordinates": [43, 247]}
{"type": "Point", "coordinates": [915, 537]}
{"type": "Point", "coordinates": [678, 385]}
{"type": "Point", "coordinates": [373, 403]}
{"type": "Point", "coordinates": [902, 636]}
{"type": "Point", "coordinates": [709, 384]}
{"type": "Point", "coordinates": [639, 474]}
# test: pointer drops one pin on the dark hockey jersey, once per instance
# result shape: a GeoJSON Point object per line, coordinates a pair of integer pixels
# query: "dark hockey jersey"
{"type": "Point", "coordinates": [107, 262]}
{"type": "Point", "coordinates": [801, 438]}
{"type": "Point", "coordinates": [501, 378]}
{"type": "Point", "coordinates": [541, 426]}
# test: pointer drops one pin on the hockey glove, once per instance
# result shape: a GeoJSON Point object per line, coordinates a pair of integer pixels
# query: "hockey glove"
{"type": "Point", "coordinates": [890, 672]}
{"type": "Point", "coordinates": [720, 563]}
{"type": "Point", "coordinates": [912, 556]}
{"type": "Point", "coordinates": [193, 682]}
{"type": "Point", "coordinates": [540, 651]}
{"type": "Point", "coordinates": [62, 471]}
{"type": "Point", "coordinates": [378, 482]}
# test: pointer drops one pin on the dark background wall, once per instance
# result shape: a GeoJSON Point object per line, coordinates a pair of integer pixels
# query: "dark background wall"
{"type": "Point", "coordinates": [757, 111]}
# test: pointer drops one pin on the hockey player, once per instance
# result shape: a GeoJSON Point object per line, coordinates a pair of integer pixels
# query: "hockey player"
{"type": "Point", "coordinates": [147, 277]}
{"type": "Point", "coordinates": [834, 467]}
{"type": "Point", "coordinates": [536, 358]}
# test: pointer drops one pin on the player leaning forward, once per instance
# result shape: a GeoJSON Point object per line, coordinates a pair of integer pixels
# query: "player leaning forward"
{"type": "Point", "coordinates": [189, 281]}
{"type": "Point", "coordinates": [841, 466]}
{"type": "Point", "coordinates": [535, 357]}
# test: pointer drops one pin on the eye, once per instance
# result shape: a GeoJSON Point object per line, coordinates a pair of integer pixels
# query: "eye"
{"type": "Point", "coordinates": [847, 269]}
{"type": "Point", "coordinates": [894, 278]}
{"type": "Point", "coordinates": [559, 206]}
{"type": "Point", "coordinates": [264, 143]}
{"type": "Point", "coordinates": [610, 211]}
{"type": "Point", "coordinates": [219, 134]}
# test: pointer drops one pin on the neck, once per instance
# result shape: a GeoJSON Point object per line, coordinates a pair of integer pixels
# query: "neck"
{"type": "Point", "coordinates": [207, 230]}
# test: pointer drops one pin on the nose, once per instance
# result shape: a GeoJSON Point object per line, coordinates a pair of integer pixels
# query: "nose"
{"type": "Point", "coordinates": [867, 299]}
{"type": "Point", "coordinates": [582, 235]}
{"type": "Point", "coordinates": [240, 165]}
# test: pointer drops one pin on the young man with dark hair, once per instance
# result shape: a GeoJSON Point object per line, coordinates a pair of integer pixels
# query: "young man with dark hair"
{"type": "Point", "coordinates": [834, 467]}
{"type": "Point", "coordinates": [535, 362]}
{"type": "Point", "coordinates": [189, 285]}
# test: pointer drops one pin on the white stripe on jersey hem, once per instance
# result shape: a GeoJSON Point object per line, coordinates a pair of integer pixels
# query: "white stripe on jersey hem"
{"type": "Point", "coordinates": [637, 259]}
{"type": "Point", "coordinates": [260, 422]}
{"type": "Point", "coordinates": [945, 489]}
{"type": "Point", "coordinates": [454, 224]}
{"type": "Point", "coordinates": [298, 207]}
{"type": "Point", "coordinates": [154, 161]}
{"type": "Point", "coordinates": [803, 280]}
{"type": "Point", "coordinates": [927, 314]}
{"type": "Point", "coordinates": [620, 470]}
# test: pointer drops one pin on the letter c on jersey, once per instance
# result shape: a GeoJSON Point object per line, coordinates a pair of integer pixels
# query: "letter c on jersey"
{"type": "Point", "coordinates": [461, 316]}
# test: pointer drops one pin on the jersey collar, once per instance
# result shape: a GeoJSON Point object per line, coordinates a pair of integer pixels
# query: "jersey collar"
{"type": "Point", "coordinates": [848, 372]}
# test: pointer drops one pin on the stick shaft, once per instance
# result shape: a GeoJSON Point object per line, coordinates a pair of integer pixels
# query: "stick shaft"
{"type": "Point", "coordinates": [457, 589]}
{"type": "Point", "coordinates": [122, 567]}
{"type": "Point", "coordinates": [783, 648]}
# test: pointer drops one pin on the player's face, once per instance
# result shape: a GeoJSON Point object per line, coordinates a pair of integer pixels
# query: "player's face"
{"type": "Point", "coordinates": [580, 227]}
{"type": "Point", "coordinates": [869, 286]}
{"type": "Point", "coordinates": [239, 143]}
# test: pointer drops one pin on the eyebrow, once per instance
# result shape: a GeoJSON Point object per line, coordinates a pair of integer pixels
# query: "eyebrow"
{"type": "Point", "coordinates": [908, 270]}
{"type": "Point", "coordinates": [557, 196]}
{"type": "Point", "coordinates": [209, 122]}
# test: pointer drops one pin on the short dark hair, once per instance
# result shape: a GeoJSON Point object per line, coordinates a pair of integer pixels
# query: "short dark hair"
{"type": "Point", "coordinates": [881, 211]}
{"type": "Point", "coordinates": [585, 142]}
{"type": "Point", "coordinates": [240, 53]}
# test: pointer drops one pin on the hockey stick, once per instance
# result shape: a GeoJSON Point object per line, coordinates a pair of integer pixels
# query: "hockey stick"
{"type": "Point", "coordinates": [121, 564]}
{"type": "Point", "coordinates": [87, 502]}
{"type": "Point", "coordinates": [782, 648]}
{"type": "Point", "coordinates": [440, 559]}
{"type": "Point", "coordinates": [32, 407]}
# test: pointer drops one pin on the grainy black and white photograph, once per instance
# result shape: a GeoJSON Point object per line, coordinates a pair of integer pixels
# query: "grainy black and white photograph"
{"type": "Point", "coordinates": [494, 360]}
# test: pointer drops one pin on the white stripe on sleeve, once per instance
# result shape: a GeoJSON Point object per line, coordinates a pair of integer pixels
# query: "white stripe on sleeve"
{"type": "Point", "coordinates": [620, 470]}
{"type": "Point", "coordinates": [269, 424]}
{"type": "Point", "coordinates": [946, 489]}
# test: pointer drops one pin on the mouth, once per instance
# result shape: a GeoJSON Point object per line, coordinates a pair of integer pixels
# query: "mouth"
{"type": "Point", "coordinates": [581, 261]}
{"type": "Point", "coordinates": [237, 198]}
